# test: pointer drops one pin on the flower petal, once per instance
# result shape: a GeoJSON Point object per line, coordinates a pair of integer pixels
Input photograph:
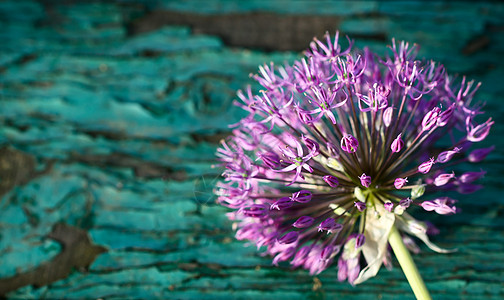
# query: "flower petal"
{"type": "Point", "coordinates": [377, 230]}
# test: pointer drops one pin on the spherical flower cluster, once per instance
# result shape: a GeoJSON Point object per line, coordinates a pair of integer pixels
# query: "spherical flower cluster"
{"type": "Point", "coordinates": [337, 146]}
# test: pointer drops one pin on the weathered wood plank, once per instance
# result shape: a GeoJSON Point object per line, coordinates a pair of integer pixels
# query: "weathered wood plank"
{"type": "Point", "coordinates": [130, 123]}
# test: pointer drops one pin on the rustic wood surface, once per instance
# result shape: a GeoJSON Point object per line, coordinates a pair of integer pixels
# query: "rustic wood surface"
{"type": "Point", "coordinates": [110, 116]}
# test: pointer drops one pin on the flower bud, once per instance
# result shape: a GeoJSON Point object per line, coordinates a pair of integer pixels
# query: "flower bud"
{"type": "Point", "coordinates": [468, 188]}
{"type": "Point", "coordinates": [440, 205]}
{"type": "Point", "coordinates": [480, 154]}
{"type": "Point", "coordinates": [349, 143]}
{"type": "Point", "coordinates": [443, 179]}
{"type": "Point", "coordinates": [430, 119]}
{"type": "Point", "coordinates": [271, 160]}
{"type": "Point", "coordinates": [361, 206]}
{"type": "Point", "coordinates": [255, 211]}
{"type": "Point", "coordinates": [445, 156]}
{"type": "Point", "coordinates": [282, 203]}
{"type": "Point", "coordinates": [471, 176]}
{"type": "Point", "coordinates": [353, 270]}
{"type": "Point", "coordinates": [303, 196]}
{"type": "Point", "coordinates": [425, 167]}
{"type": "Point", "coordinates": [365, 180]}
{"type": "Point", "coordinates": [327, 252]}
{"type": "Point", "coordinates": [387, 116]}
{"type": "Point", "coordinates": [301, 256]}
{"type": "Point", "coordinates": [342, 269]}
{"type": "Point", "coordinates": [330, 225]}
{"type": "Point", "coordinates": [303, 222]}
{"type": "Point", "coordinates": [359, 241]}
{"type": "Point", "coordinates": [480, 132]}
{"type": "Point", "coordinates": [400, 182]}
{"type": "Point", "coordinates": [445, 116]}
{"type": "Point", "coordinates": [288, 238]}
{"type": "Point", "coordinates": [388, 206]}
{"type": "Point", "coordinates": [417, 191]}
{"type": "Point", "coordinates": [326, 224]}
{"type": "Point", "coordinates": [284, 255]}
{"type": "Point", "coordinates": [397, 144]}
{"type": "Point", "coordinates": [331, 180]}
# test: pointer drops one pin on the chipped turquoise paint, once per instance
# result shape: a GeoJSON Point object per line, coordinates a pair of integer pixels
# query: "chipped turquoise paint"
{"type": "Point", "coordinates": [84, 88]}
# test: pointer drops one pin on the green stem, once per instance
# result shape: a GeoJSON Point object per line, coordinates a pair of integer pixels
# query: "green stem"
{"type": "Point", "coordinates": [408, 266]}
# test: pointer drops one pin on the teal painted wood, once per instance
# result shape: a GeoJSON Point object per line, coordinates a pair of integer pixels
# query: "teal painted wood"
{"type": "Point", "coordinates": [132, 123]}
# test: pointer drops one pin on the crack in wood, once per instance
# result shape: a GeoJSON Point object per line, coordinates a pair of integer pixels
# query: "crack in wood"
{"type": "Point", "coordinates": [78, 252]}
{"type": "Point", "coordinates": [18, 168]}
{"type": "Point", "coordinates": [141, 168]}
{"type": "Point", "coordinates": [263, 30]}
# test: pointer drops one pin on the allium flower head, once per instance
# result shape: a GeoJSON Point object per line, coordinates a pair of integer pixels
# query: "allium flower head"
{"type": "Point", "coordinates": [339, 146]}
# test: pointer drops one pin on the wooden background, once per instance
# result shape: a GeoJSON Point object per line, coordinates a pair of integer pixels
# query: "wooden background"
{"type": "Point", "coordinates": [110, 116]}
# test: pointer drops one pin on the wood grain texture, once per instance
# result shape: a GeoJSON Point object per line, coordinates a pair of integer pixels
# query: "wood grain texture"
{"type": "Point", "coordinates": [130, 120]}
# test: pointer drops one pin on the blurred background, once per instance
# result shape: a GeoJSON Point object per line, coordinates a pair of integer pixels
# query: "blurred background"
{"type": "Point", "coordinates": [110, 115]}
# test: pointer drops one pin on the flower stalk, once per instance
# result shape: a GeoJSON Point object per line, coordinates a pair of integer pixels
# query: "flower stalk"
{"type": "Point", "coordinates": [408, 265]}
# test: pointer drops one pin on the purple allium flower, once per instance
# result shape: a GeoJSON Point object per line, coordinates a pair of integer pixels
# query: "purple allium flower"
{"type": "Point", "coordinates": [387, 116]}
{"type": "Point", "coordinates": [349, 143]}
{"type": "Point", "coordinates": [331, 180]}
{"type": "Point", "coordinates": [289, 237]}
{"type": "Point", "coordinates": [430, 119]}
{"type": "Point", "coordinates": [400, 182]}
{"type": "Point", "coordinates": [469, 177]}
{"type": "Point", "coordinates": [480, 154]}
{"type": "Point", "coordinates": [443, 179]}
{"type": "Point", "coordinates": [329, 225]}
{"type": "Point", "coordinates": [445, 156]}
{"type": "Point", "coordinates": [397, 144]}
{"type": "Point", "coordinates": [388, 206]}
{"type": "Point", "coordinates": [302, 196]}
{"type": "Point", "coordinates": [365, 180]}
{"type": "Point", "coordinates": [282, 203]}
{"type": "Point", "coordinates": [359, 240]}
{"type": "Point", "coordinates": [425, 167]}
{"type": "Point", "coordinates": [303, 222]}
{"type": "Point", "coordinates": [440, 205]}
{"type": "Point", "coordinates": [299, 167]}
{"type": "Point", "coordinates": [480, 132]}
{"type": "Point", "coordinates": [361, 206]}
